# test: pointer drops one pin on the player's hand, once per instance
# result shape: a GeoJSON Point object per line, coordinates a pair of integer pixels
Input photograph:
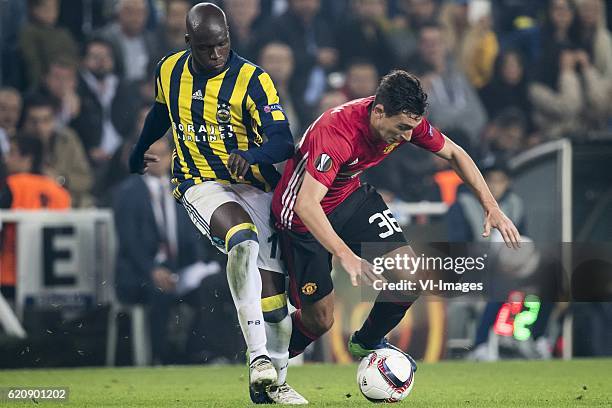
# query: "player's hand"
{"type": "Point", "coordinates": [495, 218]}
{"type": "Point", "coordinates": [354, 266]}
{"type": "Point", "coordinates": [237, 165]}
{"type": "Point", "coordinates": [139, 162]}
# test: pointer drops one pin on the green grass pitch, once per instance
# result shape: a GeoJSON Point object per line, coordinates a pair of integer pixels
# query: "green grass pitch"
{"type": "Point", "coordinates": [575, 383]}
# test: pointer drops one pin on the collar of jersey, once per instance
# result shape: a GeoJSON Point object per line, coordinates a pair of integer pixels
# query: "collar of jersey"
{"type": "Point", "coordinates": [230, 61]}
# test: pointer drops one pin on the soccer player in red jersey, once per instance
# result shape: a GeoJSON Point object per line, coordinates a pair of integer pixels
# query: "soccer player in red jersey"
{"type": "Point", "coordinates": [321, 208]}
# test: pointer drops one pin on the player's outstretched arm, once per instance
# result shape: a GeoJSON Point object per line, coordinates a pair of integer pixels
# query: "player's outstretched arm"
{"type": "Point", "coordinates": [308, 208]}
{"type": "Point", "coordinates": [278, 148]}
{"type": "Point", "coordinates": [465, 167]}
{"type": "Point", "coordinates": [155, 126]}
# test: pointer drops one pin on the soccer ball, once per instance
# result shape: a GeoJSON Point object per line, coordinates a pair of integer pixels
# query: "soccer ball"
{"type": "Point", "coordinates": [385, 376]}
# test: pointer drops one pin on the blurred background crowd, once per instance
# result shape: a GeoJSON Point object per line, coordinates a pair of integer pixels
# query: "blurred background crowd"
{"type": "Point", "coordinates": [501, 76]}
{"type": "Point", "coordinates": [76, 82]}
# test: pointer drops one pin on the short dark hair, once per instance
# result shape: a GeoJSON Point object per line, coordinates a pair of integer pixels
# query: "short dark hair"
{"type": "Point", "coordinates": [38, 100]}
{"type": "Point", "coordinates": [495, 164]}
{"type": "Point", "coordinates": [510, 117]}
{"type": "Point", "coordinates": [401, 92]}
{"type": "Point", "coordinates": [97, 40]}
{"type": "Point", "coordinates": [30, 146]}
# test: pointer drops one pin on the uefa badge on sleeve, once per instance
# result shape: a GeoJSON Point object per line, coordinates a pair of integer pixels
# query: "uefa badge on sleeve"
{"type": "Point", "coordinates": [323, 163]}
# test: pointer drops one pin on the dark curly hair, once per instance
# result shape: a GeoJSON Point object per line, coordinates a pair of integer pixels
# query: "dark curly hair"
{"type": "Point", "coordinates": [401, 92]}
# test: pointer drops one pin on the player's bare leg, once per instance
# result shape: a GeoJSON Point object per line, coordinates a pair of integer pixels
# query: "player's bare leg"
{"type": "Point", "coordinates": [278, 332]}
{"type": "Point", "coordinates": [231, 224]}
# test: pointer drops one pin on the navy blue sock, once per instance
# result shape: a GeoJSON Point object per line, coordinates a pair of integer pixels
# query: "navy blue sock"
{"type": "Point", "coordinates": [383, 317]}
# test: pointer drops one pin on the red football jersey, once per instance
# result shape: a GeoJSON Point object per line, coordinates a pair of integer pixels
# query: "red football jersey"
{"type": "Point", "coordinates": [335, 149]}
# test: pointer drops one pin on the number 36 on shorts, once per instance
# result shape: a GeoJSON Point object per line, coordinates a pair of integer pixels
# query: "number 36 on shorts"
{"type": "Point", "coordinates": [386, 222]}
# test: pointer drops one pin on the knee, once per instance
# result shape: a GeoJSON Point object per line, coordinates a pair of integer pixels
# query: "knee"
{"type": "Point", "coordinates": [274, 308]}
{"type": "Point", "coordinates": [320, 319]}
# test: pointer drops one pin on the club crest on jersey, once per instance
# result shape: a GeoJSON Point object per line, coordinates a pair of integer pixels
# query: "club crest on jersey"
{"type": "Point", "coordinates": [223, 113]}
{"type": "Point", "coordinates": [323, 163]}
{"type": "Point", "coordinates": [390, 148]}
{"type": "Point", "coordinates": [309, 288]}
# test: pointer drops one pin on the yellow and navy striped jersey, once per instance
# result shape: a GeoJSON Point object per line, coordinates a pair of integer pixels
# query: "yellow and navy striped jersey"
{"type": "Point", "coordinates": [212, 115]}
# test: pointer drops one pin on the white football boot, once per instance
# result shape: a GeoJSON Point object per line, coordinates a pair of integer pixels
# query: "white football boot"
{"type": "Point", "coordinates": [285, 395]}
{"type": "Point", "coordinates": [262, 373]}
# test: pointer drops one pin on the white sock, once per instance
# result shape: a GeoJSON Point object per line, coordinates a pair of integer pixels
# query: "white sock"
{"type": "Point", "coordinates": [279, 335]}
{"type": "Point", "coordinates": [245, 285]}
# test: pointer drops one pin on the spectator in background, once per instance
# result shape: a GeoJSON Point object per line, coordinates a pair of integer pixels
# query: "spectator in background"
{"type": "Point", "coordinates": [241, 16]}
{"type": "Point", "coordinates": [363, 35]}
{"type": "Point", "coordinates": [10, 112]}
{"type": "Point", "coordinates": [64, 159]}
{"type": "Point", "coordinates": [470, 36]}
{"type": "Point", "coordinates": [595, 37]}
{"type": "Point", "coordinates": [465, 216]}
{"type": "Point", "coordinates": [60, 84]}
{"type": "Point", "coordinates": [555, 92]}
{"type": "Point", "coordinates": [505, 136]}
{"type": "Point", "coordinates": [276, 59]}
{"type": "Point", "coordinates": [453, 102]}
{"type": "Point", "coordinates": [158, 245]}
{"type": "Point", "coordinates": [108, 104]}
{"type": "Point", "coordinates": [314, 48]}
{"type": "Point", "coordinates": [134, 47]}
{"type": "Point", "coordinates": [329, 100]}
{"type": "Point", "coordinates": [418, 13]}
{"type": "Point", "coordinates": [25, 188]}
{"type": "Point", "coordinates": [171, 33]}
{"type": "Point", "coordinates": [508, 87]}
{"type": "Point", "coordinates": [361, 80]}
{"type": "Point", "coordinates": [40, 41]}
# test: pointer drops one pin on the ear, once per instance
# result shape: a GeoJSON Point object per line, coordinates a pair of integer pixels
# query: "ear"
{"type": "Point", "coordinates": [379, 110]}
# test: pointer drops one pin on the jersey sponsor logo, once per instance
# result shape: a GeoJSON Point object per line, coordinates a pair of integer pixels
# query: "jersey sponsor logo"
{"type": "Point", "coordinates": [273, 107]}
{"type": "Point", "coordinates": [223, 113]}
{"type": "Point", "coordinates": [204, 133]}
{"type": "Point", "coordinates": [197, 95]}
{"type": "Point", "coordinates": [323, 163]}
{"type": "Point", "coordinates": [354, 162]}
{"type": "Point", "coordinates": [309, 288]}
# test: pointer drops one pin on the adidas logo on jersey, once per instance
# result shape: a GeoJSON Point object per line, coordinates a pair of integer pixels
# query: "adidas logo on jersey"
{"type": "Point", "coordinates": [197, 95]}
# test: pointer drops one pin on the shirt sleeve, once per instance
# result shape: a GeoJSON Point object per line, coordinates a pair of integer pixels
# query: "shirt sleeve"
{"type": "Point", "coordinates": [159, 90]}
{"type": "Point", "coordinates": [427, 137]}
{"type": "Point", "coordinates": [327, 152]}
{"type": "Point", "coordinates": [263, 102]}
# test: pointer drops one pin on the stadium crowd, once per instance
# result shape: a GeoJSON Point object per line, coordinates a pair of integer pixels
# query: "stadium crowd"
{"type": "Point", "coordinates": [501, 76]}
{"type": "Point", "coordinates": [77, 79]}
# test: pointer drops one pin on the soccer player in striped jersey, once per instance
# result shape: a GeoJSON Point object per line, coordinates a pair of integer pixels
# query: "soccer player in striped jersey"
{"type": "Point", "coordinates": [219, 107]}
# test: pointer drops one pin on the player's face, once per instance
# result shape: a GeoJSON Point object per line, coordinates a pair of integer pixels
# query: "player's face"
{"type": "Point", "coordinates": [393, 129]}
{"type": "Point", "coordinates": [210, 48]}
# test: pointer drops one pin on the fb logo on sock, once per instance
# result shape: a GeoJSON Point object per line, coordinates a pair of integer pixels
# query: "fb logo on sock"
{"type": "Point", "coordinates": [255, 322]}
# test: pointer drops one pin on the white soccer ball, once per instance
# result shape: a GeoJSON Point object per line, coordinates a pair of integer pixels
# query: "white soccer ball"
{"type": "Point", "coordinates": [385, 376]}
